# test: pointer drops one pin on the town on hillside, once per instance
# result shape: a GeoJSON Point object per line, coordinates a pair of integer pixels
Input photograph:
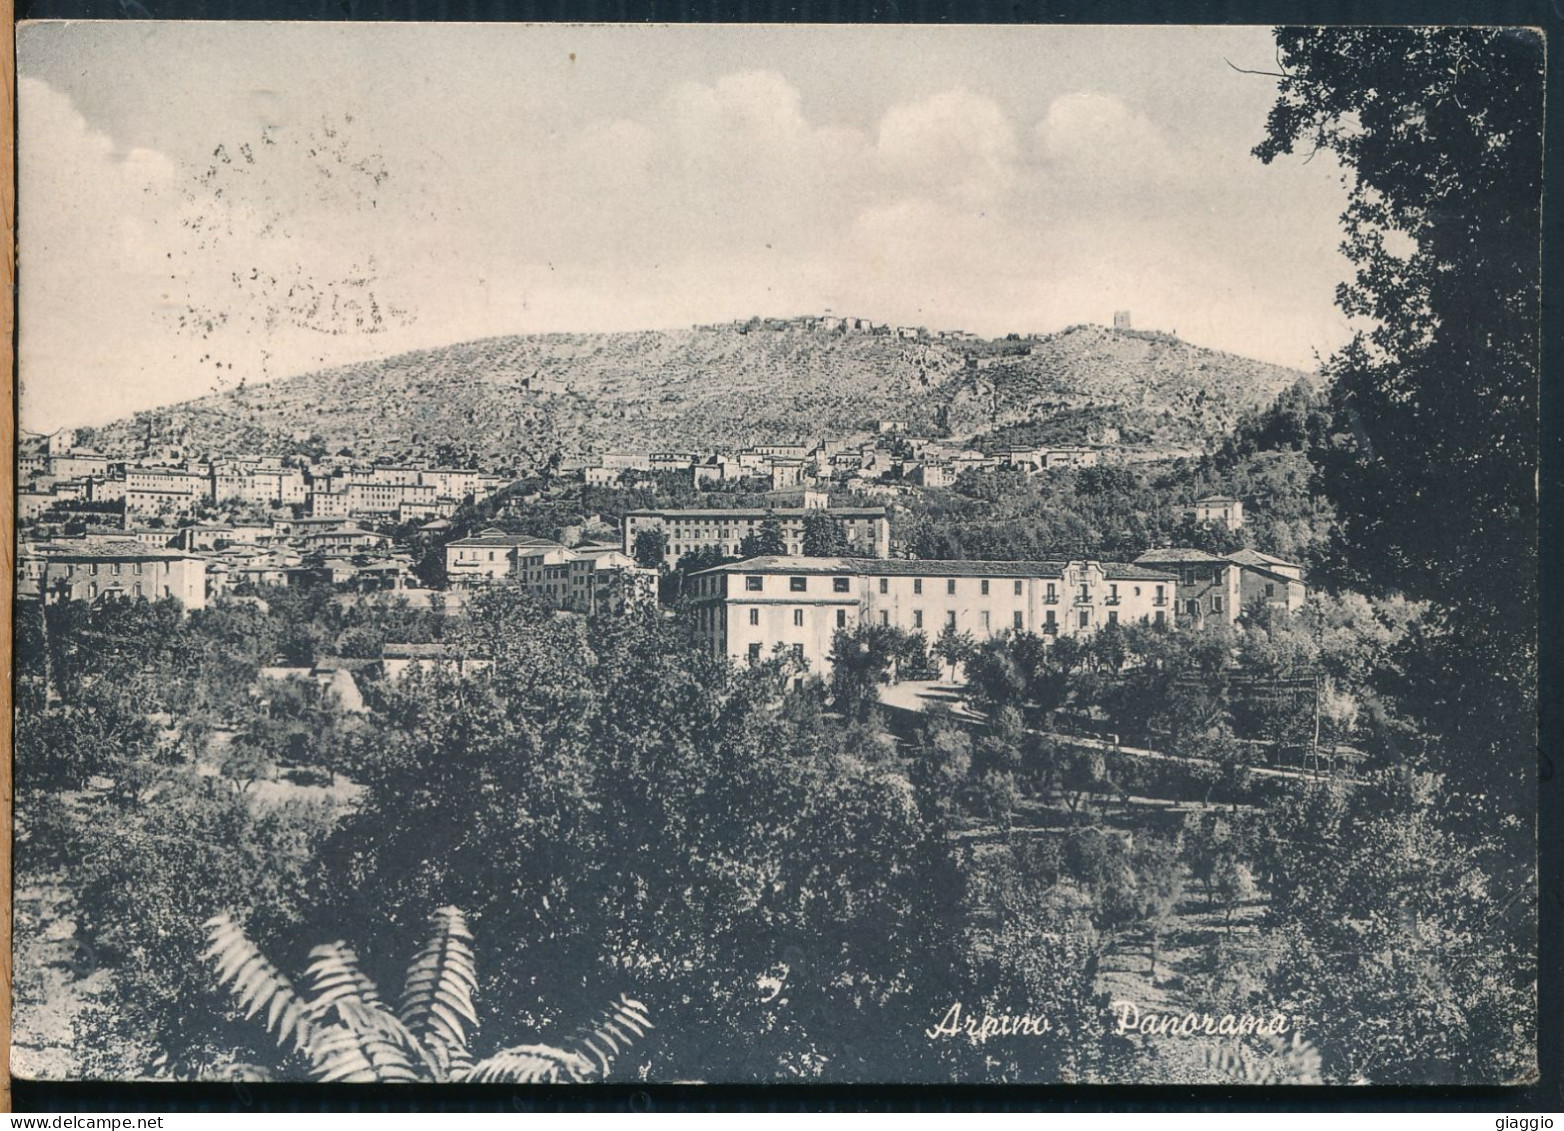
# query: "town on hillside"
{"type": "Point", "coordinates": [97, 526]}
{"type": "Point", "coordinates": [503, 616]}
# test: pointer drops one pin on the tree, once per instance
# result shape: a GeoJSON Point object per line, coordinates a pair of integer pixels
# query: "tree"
{"type": "Point", "coordinates": [953, 647]}
{"type": "Point", "coordinates": [824, 536]}
{"type": "Point", "coordinates": [347, 1034]}
{"type": "Point", "coordinates": [1396, 937]}
{"type": "Point", "coordinates": [1434, 451]}
{"type": "Point", "coordinates": [767, 541]}
{"type": "Point", "coordinates": [1159, 886]}
{"type": "Point", "coordinates": [650, 548]}
{"type": "Point", "coordinates": [862, 658]}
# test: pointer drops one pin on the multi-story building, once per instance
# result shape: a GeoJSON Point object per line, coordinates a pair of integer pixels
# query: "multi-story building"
{"type": "Point", "coordinates": [252, 481]}
{"type": "Point", "coordinates": [585, 579]}
{"type": "Point", "coordinates": [867, 529]}
{"type": "Point", "coordinates": [746, 610]}
{"type": "Point", "coordinates": [781, 451]}
{"type": "Point", "coordinates": [325, 503]}
{"type": "Point", "coordinates": [1218, 589]}
{"type": "Point", "coordinates": [1209, 587]}
{"type": "Point", "coordinates": [487, 556]}
{"type": "Point", "coordinates": [934, 474]}
{"type": "Point", "coordinates": [1070, 457]}
{"type": "Point", "coordinates": [164, 490]}
{"type": "Point", "coordinates": [79, 465]}
{"type": "Point", "coordinates": [347, 540]}
{"type": "Point", "coordinates": [1269, 579]}
{"type": "Point", "coordinates": [455, 483]}
{"type": "Point", "coordinates": [625, 461]}
{"type": "Point", "coordinates": [1217, 508]}
{"type": "Point", "coordinates": [83, 571]}
{"type": "Point", "coordinates": [388, 498]}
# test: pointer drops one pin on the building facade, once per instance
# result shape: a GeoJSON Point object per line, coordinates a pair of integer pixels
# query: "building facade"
{"type": "Point", "coordinates": [748, 610]}
{"type": "Point", "coordinates": [120, 571]}
{"type": "Point", "coordinates": [867, 529]}
{"type": "Point", "coordinates": [1223, 509]}
{"type": "Point", "coordinates": [1215, 589]}
{"type": "Point", "coordinates": [487, 556]}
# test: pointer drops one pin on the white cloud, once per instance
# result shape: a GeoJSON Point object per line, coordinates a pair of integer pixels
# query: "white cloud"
{"type": "Point", "coordinates": [956, 145]}
{"type": "Point", "coordinates": [1097, 139]}
{"type": "Point", "coordinates": [524, 203]}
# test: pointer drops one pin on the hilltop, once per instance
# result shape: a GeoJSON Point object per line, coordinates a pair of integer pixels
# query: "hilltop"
{"type": "Point", "coordinates": [516, 400]}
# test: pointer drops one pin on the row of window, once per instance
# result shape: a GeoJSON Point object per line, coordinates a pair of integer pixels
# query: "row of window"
{"type": "Point", "coordinates": [115, 567]}
{"type": "Point", "coordinates": [754, 583]}
{"type": "Point", "coordinates": [1018, 619]}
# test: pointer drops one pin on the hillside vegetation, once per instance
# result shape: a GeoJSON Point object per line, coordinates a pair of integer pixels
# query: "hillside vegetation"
{"type": "Point", "coordinates": [518, 400]}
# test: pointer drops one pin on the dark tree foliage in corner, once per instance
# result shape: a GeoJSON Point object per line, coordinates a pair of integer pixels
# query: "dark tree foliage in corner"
{"type": "Point", "coordinates": [1434, 452]}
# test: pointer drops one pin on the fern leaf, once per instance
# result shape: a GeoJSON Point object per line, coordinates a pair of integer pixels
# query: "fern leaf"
{"type": "Point", "coordinates": [338, 1056]}
{"type": "Point", "coordinates": [598, 1038]}
{"type": "Point", "coordinates": [442, 980]}
{"type": "Point", "coordinates": [254, 982]}
{"type": "Point", "coordinates": [343, 993]}
{"type": "Point", "coordinates": [532, 1064]}
{"type": "Point", "coordinates": [335, 977]}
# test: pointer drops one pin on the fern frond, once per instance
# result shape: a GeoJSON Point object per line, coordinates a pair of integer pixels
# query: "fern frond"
{"type": "Point", "coordinates": [345, 994]}
{"type": "Point", "coordinates": [255, 983]}
{"type": "Point", "coordinates": [335, 978]}
{"type": "Point", "coordinates": [531, 1064]}
{"type": "Point", "coordinates": [338, 1056]}
{"type": "Point", "coordinates": [437, 1002]}
{"type": "Point", "coordinates": [613, 1033]}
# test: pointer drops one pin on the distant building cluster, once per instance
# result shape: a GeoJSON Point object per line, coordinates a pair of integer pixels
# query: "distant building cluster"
{"type": "Point", "coordinates": [95, 527]}
{"type": "Point", "coordinates": [888, 461]}
{"type": "Point", "coordinates": [57, 478]}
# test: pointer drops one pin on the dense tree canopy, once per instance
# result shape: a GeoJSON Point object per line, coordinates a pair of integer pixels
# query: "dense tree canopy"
{"type": "Point", "coordinates": [1432, 462]}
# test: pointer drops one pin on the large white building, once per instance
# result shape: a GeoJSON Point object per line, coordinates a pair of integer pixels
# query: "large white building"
{"type": "Point", "coordinates": [745, 610]}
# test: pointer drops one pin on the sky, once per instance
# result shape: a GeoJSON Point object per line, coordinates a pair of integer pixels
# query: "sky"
{"type": "Point", "coordinates": [205, 204]}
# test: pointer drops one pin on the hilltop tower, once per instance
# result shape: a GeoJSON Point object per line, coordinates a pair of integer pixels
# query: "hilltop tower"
{"type": "Point", "coordinates": [1121, 320]}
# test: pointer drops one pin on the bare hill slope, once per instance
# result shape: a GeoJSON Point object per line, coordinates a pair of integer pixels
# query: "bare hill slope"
{"type": "Point", "coordinates": [520, 399]}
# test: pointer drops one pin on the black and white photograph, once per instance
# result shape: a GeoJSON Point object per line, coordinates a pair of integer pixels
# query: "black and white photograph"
{"type": "Point", "coordinates": [722, 554]}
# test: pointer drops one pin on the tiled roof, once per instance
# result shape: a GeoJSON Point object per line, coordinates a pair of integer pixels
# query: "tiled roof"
{"type": "Point", "coordinates": [756, 512]}
{"type": "Point", "coordinates": [127, 550]}
{"type": "Point", "coordinates": [1123, 571]}
{"type": "Point", "coordinates": [507, 540]}
{"type": "Point", "coordinates": [1256, 558]}
{"type": "Point", "coordinates": [1176, 555]}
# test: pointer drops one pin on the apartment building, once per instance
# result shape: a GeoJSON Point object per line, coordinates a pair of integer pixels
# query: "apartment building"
{"type": "Point", "coordinates": [1209, 587]}
{"type": "Point", "coordinates": [745, 610]}
{"type": "Point", "coordinates": [128, 570]}
{"type": "Point", "coordinates": [487, 556]}
{"type": "Point", "coordinates": [161, 490]}
{"type": "Point", "coordinates": [867, 529]}
{"type": "Point", "coordinates": [1269, 579]}
{"type": "Point", "coordinates": [251, 481]}
{"type": "Point", "coordinates": [585, 579]}
{"type": "Point", "coordinates": [1215, 588]}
